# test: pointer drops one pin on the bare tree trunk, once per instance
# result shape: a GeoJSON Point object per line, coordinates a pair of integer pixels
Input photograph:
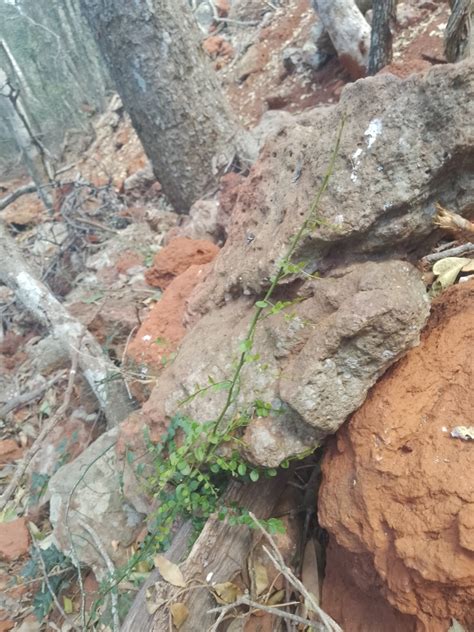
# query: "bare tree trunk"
{"type": "Point", "coordinates": [18, 72]}
{"type": "Point", "coordinates": [33, 152]}
{"type": "Point", "coordinates": [458, 38]}
{"type": "Point", "coordinates": [383, 20]}
{"type": "Point", "coordinates": [170, 91]}
{"type": "Point", "coordinates": [349, 33]}
{"type": "Point", "coordinates": [98, 370]}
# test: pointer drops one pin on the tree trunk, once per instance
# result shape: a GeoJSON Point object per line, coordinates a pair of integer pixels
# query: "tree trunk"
{"type": "Point", "coordinates": [170, 91]}
{"type": "Point", "coordinates": [458, 38]}
{"type": "Point", "coordinates": [33, 152]}
{"type": "Point", "coordinates": [98, 370]}
{"type": "Point", "coordinates": [384, 16]}
{"type": "Point", "coordinates": [349, 33]}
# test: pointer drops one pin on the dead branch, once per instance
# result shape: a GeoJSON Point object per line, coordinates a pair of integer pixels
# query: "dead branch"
{"type": "Point", "coordinates": [459, 251]}
{"type": "Point", "coordinates": [244, 601]}
{"type": "Point", "coordinates": [14, 195]}
{"type": "Point", "coordinates": [46, 579]}
{"type": "Point", "coordinates": [448, 220]}
{"type": "Point", "coordinates": [279, 563]}
{"type": "Point", "coordinates": [48, 426]}
{"type": "Point", "coordinates": [98, 370]}
{"type": "Point", "coordinates": [111, 570]}
{"type": "Point", "coordinates": [25, 398]}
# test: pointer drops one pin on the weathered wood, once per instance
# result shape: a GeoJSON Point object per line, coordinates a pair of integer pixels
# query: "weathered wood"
{"type": "Point", "coordinates": [349, 33]}
{"type": "Point", "coordinates": [381, 39]}
{"type": "Point", "coordinates": [14, 195]}
{"type": "Point", "coordinates": [220, 550]}
{"type": "Point", "coordinates": [98, 370]}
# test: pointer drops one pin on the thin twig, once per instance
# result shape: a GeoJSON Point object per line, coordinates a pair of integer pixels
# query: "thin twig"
{"type": "Point", "coordinates": [451, 252]}
{"type": "Point", "coordinates": [238, 22]}
{"type": "Point", "coordinates": [46, 429]}
{"type": "Point", "coordinates": [277, 559]}
{"type": "Point", "coordinates": [111, 570]}
{"type": "Point", "coordinates": [244, 601]}
{"type": "Point", "coordinates": [25, 398]}
{"type": "Point", "coordinates": [44, 572]}
{"type": "Point", "coordinates": [129, 337]}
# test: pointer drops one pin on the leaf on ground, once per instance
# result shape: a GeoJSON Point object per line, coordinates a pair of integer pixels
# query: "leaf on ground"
{"type": "Point", "coordinates": [170, 572]}
{"type": "Point", "coordinates": [227, 592]}
{"type": "Point", "coordinates": [448, 269]}
{"type": "Point", "coordinates": [179, 613]}
{"type": "Point", "coordinates": [277, 598]}
{"type": "Point", "coordinates": [68, 605]}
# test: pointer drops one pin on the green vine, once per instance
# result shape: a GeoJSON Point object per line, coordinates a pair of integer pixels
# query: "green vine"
{"type": "Point", "coordinates": [195, 461]}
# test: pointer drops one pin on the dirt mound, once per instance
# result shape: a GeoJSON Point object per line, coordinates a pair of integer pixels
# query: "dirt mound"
{"type": "Point", "coordinates": [397, 498]}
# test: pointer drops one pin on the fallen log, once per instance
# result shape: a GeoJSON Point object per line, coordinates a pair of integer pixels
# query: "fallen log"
{"type": "Point", "coordinates": [98, 370]}
{"type": "Point", "coordinates": [218, 555]}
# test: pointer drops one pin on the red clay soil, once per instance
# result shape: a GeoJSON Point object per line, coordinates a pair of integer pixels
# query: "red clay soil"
{"type": "Point", "coordinates": [398, 497]}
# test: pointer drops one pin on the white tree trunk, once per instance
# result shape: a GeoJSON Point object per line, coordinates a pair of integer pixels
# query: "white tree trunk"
{"type": "Point", "coordinates": [349, 33]}
{"type": "Point", "coordinates": [33, 154]}
{"type": "Point", "coordinates": [98, 370]}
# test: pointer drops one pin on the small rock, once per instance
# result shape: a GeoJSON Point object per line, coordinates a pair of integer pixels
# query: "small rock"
{"type": "Point", "coordinates": [292, 59]}
{"type": "Point", "coordinates": [176, 257]}
{"type": "Point", "coordinates": [248, 10]}
{"type": "Point", "coordinates": [140, 181]}
{"type": "Point", "coordinates": [218, 46]}
{"type": "Point", "coordinates": [163, 328]}
{"type": "Point", "coordinates": [90, 487]}
{"type": "Point", "coordinates": [204, 16]}
{"type": "Point", "coordinates": [14, 539]}
{"type": "Point", "coordinates": [223, 7]}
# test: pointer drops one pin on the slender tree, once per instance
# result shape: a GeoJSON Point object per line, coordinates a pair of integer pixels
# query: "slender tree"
{"type": "Point", "coordinates": [458, 37]}
{"type": "Point", "coordinates": [153, 54]}
{"type": "Point", "coordinates": [383, 19]}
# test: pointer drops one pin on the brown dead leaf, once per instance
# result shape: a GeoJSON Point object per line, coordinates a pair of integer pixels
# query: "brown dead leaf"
{"type": "Point", "coordinates": [227, 592]}
{"type": "Point", "coordinates": [179, 613]}
{"type": "Point", "coordinates": [276, 598]}
{"type": "Point", "coordinates": [170, 572]}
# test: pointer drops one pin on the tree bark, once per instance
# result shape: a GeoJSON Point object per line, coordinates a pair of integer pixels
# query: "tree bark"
{"type": "Point", "coordinates": [458, 38]}
{"type": "Point", "coordinates": [35, 296]}
{"type": "Point", "coordinates": [349, 33]}
{"type": "Point", "coordinates": [170, 91]}
{"type": "Point", "coordinates": [384, 17]}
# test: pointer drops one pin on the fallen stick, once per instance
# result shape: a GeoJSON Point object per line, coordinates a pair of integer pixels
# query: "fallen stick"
{"type": "Point", "coordinates": [98, 370]}
{"type": "Point", "coordinates": [25, 398]}
{"type": "Point", "coordinates": [458, 251]}
{"type": "Point", "coordinates": [45, 430]}
{"type": "Point", "coordinates": [14, 195]}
